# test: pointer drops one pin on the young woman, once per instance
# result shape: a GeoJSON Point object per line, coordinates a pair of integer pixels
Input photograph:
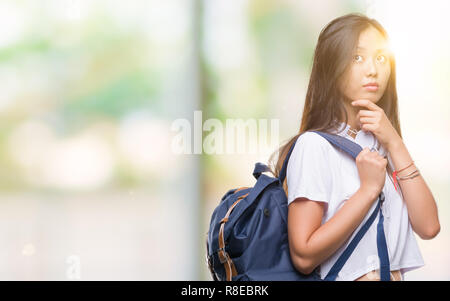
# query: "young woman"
{"type": "Point", "coordinates": [352, 93]}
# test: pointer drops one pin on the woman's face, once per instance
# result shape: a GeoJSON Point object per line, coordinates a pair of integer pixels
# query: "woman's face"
{"type": "Point", "coordinates": [370, 64]}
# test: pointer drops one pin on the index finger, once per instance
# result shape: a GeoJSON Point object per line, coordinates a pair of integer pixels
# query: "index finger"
{"type": "Point", "coordinates": [366, 103]}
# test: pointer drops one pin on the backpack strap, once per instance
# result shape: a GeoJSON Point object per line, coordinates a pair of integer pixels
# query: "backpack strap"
{"type": "Point", "coordinates": [353, 149]}
{"type": "Point", "coordinates": [381, 246]}
{"type": "Point", "coordinates": [348, 146]}
{"type": "Point", "coordinates": [383, 255]}
{"type": "Point", "coordinates": [259, 169]}
{"type": "Point", "coordinates": [225, 259]}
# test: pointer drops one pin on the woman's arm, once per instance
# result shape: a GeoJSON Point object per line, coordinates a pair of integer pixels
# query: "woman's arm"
{"type": "Point", "coordinates": [422, 209]}
{"type": "Point", "coordinates": [310, 243]}
{"type": "Point", "coordinates": [421, 206]}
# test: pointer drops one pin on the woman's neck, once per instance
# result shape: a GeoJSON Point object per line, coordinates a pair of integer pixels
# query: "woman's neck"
{"type": "Point", "coordinates": [351, 113]}
{"type": "Point", "coordinates": [352, 121]}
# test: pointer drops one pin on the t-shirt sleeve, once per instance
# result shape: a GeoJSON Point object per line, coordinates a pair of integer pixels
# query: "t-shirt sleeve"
{"type": "Point", "coordinates": [308, 172]}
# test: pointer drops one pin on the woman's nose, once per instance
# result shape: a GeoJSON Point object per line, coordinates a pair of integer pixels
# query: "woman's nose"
{"type": "Point", "coordinates": [371, 68]}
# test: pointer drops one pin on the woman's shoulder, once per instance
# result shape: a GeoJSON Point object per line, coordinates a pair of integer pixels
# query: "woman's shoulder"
{"type": "Point", "coordinates": [312, 147]}
{"type": "Point", "coordinates": [312, 140]}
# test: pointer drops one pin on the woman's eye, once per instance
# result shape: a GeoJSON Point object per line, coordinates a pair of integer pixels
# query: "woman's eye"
{"type": "Point", "coordinates": [381, 58]}
{"type": "Point", "coordinates": [356, 57]}
{"type": "Point", "coordinates": [384, 58]}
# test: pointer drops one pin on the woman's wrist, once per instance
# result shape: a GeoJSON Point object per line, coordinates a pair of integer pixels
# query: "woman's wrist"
{"type": "Point", "coordinates": [370, 193]}
{"type": "Point", "coordinates": [394, 145]}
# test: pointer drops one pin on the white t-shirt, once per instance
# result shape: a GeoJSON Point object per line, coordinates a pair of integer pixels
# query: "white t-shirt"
{"type": "Point", "coordinates": [319, 171]}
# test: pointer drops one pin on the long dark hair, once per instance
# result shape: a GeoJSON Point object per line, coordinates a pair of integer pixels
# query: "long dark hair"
{"type": "Point", "coordinates": [324, 103]}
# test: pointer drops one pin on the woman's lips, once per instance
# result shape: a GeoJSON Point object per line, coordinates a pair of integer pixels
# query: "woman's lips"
{"type": "Point", "coordinates": [371, 88]}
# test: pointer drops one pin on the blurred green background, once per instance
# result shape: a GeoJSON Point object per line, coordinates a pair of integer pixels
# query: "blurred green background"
{"type": "Point", "coordinates": [90, 185]}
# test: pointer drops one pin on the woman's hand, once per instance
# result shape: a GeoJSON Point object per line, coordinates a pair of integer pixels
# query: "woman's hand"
{"type": "Point", "coordinates": [375, 120]}
{"type": "Point", "coordinates": [372, 170]}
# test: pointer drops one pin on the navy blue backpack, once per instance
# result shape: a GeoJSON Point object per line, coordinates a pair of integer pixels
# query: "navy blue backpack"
{"type": "Point", "coordinates": [248, 240]}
